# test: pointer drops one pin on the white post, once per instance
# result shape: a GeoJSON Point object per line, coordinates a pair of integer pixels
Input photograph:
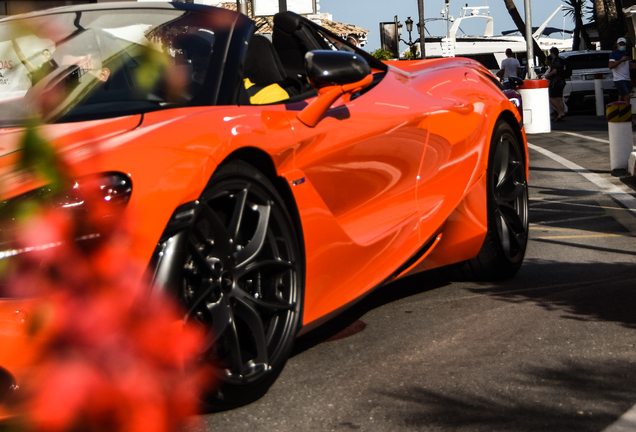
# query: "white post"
{"type": "Point", "coordinates": [619, 125]}
{"type": "Point", "coordinates": [536, 106]}
{"type": "Point", "coordinates": [598, 94]}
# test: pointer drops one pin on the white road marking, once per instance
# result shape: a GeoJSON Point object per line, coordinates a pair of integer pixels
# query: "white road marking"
{"type": "Point", "coordinates": [626, 422]}
{"type": "Point", "coordinates": [605, 186]}
{"type": "Point", "coordinates": [586, 137]}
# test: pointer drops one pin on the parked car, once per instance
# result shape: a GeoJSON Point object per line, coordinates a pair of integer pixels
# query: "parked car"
{"type": "Point", "coordinates": [578, 93]}
{"type": "Point", "coordinates": [266, 219]}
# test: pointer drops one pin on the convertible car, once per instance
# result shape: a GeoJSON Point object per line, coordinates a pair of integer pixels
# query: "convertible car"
{"type": "Point", "coordinates": [270, 180]}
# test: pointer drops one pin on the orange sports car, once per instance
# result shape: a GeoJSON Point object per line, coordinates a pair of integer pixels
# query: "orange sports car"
{"type": "Point", "coordinates": [270, 180]}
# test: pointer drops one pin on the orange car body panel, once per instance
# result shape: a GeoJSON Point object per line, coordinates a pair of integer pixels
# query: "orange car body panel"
{"type": "Point", "coordinates": [373, 181]}
{"type": "Point", "coordinates": [394, 178]}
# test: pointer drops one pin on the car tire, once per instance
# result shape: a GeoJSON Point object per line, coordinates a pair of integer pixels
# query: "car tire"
{"type": "Point", "coordinates": [242, 284]}
{"type": "Point", "coordinates": [504, 247]}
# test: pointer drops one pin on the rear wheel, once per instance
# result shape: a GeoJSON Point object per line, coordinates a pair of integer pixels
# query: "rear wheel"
{"type": "Point", "coordinates": [242, 282]}
{"type": "Point", "coordinates": [504, 247]}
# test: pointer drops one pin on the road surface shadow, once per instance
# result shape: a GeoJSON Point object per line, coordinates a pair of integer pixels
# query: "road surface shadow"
{"type": "Point", "coordinates": [589, 396]}
{"type": "Point", "coordinates": [581, 123]}
{"type": "Point", "coordinates": [582, 291]}
{"type": "Point", "coordinates": [347, 322]}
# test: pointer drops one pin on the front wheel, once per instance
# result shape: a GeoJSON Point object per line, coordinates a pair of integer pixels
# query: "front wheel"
{"type": "Point", "coordinates": [504, 247]}
{"type": "Point", "coordinates": [242, 282]}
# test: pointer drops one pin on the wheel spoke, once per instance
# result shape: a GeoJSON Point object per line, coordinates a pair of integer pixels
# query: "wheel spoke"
{"type": "Point", "coordinates": [251, 250]}
{"type": "Point", "coordinates": [268, 305]}
{"type": "Point", "coordinates": [501, 160]}
{"type": "Point", "coordinates": [511, 196]}
{"type": "Point", "coordinates": [234, 344]}
{"type": "Point", "coordinates": [274, 244]}
{"type": "Point", "coordinates": [512, 219]}
{"type": "Point", "coordinates": [199, 237]}
{"type": "Point", "coordinates": [521, 239]}
{"type": "Point", "coordinates": [205, 292]}
{"type": "Point", "coordinates": [198, 257]}
{"type": "Point", "coordinates": [237, 214]}
{"type": "Point", "coordinates": [513, 231]}
{"type": "Point", "coordinates": [221, 320]}
{"type": "Point", "coordinates": [222, 238]}
{"type": "Point", "coordinates": [504, 233]}
{"type": "Point", "coordinates": [277, 265]}
{"type": "Point", "coordinates": [508, 175]}
{"type": "Point", "coordinates": [252, 318]}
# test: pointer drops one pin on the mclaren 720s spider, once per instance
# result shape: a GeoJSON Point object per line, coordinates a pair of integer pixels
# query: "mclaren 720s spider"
{"type": "Point", "coordinates": [269, 177]}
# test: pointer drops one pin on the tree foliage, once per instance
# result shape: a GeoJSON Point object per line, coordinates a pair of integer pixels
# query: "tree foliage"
{"type": "Point", "coordinates": [382, 54]}
{"type": "Point", "coordinates": [521, 26]}
{"type": "Point", "coordinates": [575, 10]}
{"type": "Point", "coordinates": [610, 21]}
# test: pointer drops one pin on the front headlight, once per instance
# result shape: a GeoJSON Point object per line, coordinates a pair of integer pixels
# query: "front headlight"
{"type": "Point", "coordinates": [94, 203]}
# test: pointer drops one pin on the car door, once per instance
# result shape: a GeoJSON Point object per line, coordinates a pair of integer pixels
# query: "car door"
{"type": "Point", "coordinates": [363, 159]}
{"type": "Point", "coordinates": [358, 204]}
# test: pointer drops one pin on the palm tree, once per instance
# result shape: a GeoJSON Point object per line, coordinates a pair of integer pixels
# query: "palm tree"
{"type": "Point", "coordinates": [574, 9]}
{"type": "Point", "coordinates": [608, 22]}
{"type": "Point", "coordinates": [521, 26]}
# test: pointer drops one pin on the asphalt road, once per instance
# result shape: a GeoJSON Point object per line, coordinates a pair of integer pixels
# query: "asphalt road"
{"type": "Point", "coordinates": [553, 349]}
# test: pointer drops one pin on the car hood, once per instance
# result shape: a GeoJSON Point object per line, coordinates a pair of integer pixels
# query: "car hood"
{"type": "Point", "coordinates": [63, 137]}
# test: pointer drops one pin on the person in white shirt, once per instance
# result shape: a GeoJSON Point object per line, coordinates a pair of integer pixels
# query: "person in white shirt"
{"type": "Point", "coordinates": [509, 67]}
{"type": "Point", "coordinates": [620, 64]}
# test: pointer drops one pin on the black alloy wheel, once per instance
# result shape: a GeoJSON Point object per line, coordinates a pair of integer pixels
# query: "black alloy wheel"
{"type": "Point", "coordinates": [509, 188]}
{"type": "Point", "coordinates": [242, 281]}
{"type": "Point", "coordinates": [504, 247]}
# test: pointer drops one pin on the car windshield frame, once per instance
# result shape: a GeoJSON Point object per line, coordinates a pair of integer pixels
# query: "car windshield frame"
{"type": "Point", "coordinates": [163, 40]}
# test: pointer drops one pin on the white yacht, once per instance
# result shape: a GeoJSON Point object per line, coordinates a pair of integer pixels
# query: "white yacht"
{"type": "Point", "coordinates": [456, 43]}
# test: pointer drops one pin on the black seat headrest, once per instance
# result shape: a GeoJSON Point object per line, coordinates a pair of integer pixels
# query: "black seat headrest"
{"type": "Point", "coordinates": [287, 21]}
{"type": "Point", "coordinates": [262, 65]}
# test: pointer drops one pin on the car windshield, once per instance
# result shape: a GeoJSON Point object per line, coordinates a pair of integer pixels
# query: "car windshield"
{"type": "Point", "coordinates": [102, 63]}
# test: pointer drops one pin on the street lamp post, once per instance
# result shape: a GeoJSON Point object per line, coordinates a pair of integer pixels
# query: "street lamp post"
{"type": "Point", "coordinates": [409, 28]}
{"type": "Point", "coordinates": [241, 6]}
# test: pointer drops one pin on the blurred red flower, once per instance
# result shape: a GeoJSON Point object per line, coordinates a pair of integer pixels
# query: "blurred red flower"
{"type": "Point", "coordinates": [108, 354]}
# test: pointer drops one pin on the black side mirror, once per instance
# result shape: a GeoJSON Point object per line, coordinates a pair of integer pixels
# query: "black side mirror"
{"type": "Point", "coordinates": [334, 74]}
{"type": "Point", "coordinates": [330, 68]}
{"type": "Point", "coordinates": [515, 82]}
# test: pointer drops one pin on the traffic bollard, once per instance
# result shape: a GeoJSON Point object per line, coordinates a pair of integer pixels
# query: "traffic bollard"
{"type": "Point", "coordinates": [619, 125]}
{"type": "Point", "coordinates": [536, 106]}
{"type": "Point", "coordinates": [598, 94]}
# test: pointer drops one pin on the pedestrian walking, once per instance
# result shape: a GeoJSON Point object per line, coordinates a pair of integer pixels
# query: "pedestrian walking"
{"type": "Point", "coordinates": [556, 83]}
